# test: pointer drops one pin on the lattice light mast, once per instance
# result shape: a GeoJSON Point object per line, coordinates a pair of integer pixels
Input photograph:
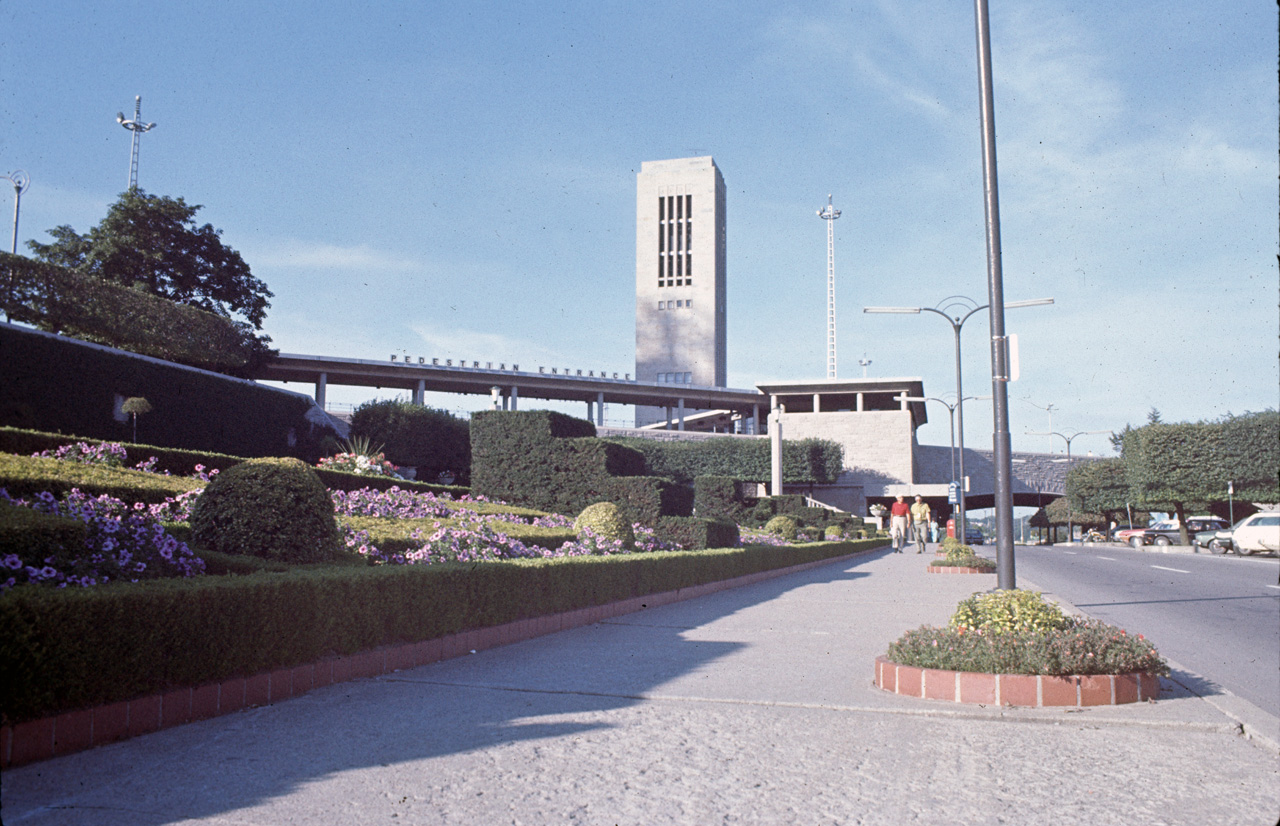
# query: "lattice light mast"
{"type": "Point", "coordinates": [829, 214]}
{"type": "Point", "coordinates": [137, 127]}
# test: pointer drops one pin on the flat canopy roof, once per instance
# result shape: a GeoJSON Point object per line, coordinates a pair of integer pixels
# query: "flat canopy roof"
{"type": "Point", "coordinates": [841, 394]}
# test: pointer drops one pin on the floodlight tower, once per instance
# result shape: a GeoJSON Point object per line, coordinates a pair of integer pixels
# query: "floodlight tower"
{"type": "Point", "coordinates": [829, 214]}
{"type": "Point", "coordinates": [137, 127]}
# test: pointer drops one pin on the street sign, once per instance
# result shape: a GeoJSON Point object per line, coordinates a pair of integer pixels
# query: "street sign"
{"type": "Point", "coordinates": [953, 493]}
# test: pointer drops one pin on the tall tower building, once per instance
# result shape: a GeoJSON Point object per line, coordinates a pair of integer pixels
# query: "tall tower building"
{"type": "Point", "coordinates": [680, 276]}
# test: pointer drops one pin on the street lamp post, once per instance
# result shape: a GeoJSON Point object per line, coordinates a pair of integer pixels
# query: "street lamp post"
{"type": "Point", "coordinates": [951, 410]}
{"type": "Point", "coordinates": [963, 309]}
{"type": "Point", "coordinates": [20, 180]}
{"type": "Point", "coordinates": [1068, 440]}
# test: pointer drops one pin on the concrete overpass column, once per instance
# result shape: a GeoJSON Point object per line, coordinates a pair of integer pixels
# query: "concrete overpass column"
{"type": "Point", "coordinates": [419, 393]}
{"type": "Point", "coordinates": [600, 409]}
{"type": "Point", "coordinates": [667, 426]}
{"type": "Point", "coordinates": [859, 402]}
{"type": "Point", "coordinates": [515, 396]}
{"type": "Point", "coordinates": [775, 450]}
{"type": "Point", "coordinates": [817, 403]}
{"type": "Point", "coordinates": [321, 383]}
{"type": "Point", "coordinates": [590, 416]}
{"type": "Point", "coordinates": [755, 420]}
{"type": "Point", "coordinates": [680, 409]}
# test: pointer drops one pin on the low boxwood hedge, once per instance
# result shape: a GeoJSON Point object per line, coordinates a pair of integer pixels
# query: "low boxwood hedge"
{"type": "Point", "coordinates": [62, 649]}
{"type": "Point", "coordinates": [395, 536]}
{"type": "Point", "coordinates": [30, 475]}
{"type": "Point", "coordinates": [33, 536]}
{"type": "Point", "coordinates": [180, 462]}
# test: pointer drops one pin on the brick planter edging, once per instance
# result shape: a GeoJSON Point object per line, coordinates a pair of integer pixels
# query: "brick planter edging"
{"type": "Point", "coordinates": [1032, 690]}
{"type": "Point", "coordinates": [74, 731]}
{"type": "Point", "coordinates": [957, 569]}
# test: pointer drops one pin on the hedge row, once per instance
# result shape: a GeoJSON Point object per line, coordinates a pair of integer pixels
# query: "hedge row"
{"type": "Point", "coordinates": [72, 303]}
{"type": "Point", "coordinates": [27, 476]}
{"type": "Point", "coordinates": [64, 385]}
{"type": "Point", "coordinates": [31, 535]}
{"type": "Point", "coordinates": [396, 535]}
{"type": "Point", "coordinates": [74, 648]}
{"type": "Point", "coordinates": [181, 462]}
{"type": "Point", "coordinates": [804, 461]}
{"type": "Point", "coordinates": [692, 532]}
{"type": "Point", "coordinates": [553, 462]}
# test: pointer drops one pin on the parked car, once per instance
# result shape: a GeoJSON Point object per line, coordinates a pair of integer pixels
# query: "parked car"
{"type": "Point", "coordinates": [1123, 534]}
{"type": "Point", "coordinates": [973, 535]}
{"type": "Point", "coordinates": [1260, 532]}
{"type": "Point", "coordinates": [1133, 536]}
{"type": "Point", "coordinates": [1169, 534]}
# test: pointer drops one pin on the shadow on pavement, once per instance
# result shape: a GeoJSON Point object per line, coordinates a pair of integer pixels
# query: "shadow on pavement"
{"type": "Point", "coordinates": [534, 690]}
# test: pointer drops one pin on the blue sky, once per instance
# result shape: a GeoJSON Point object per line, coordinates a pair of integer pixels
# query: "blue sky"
{"type": "Point", "coordinates": [457, 180]}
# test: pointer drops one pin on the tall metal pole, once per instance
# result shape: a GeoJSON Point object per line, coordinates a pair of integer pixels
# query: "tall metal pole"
{"type": "Point", "coordinates": [137, 127]}
{"type": "Point", "coordinates": [1002, 443]}
{"type": "Point", "coordinates": [829, 214]}
{"type": "Point", "coordinates": [20, 180]}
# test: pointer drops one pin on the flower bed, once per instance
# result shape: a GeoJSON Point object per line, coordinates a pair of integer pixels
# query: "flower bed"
{"type": "Point", "coordinates": [1015, 648]}
{"type": "Point", "coordinates": [960, 559]}
{"type": "Point", "coordinates": [1031, 690]}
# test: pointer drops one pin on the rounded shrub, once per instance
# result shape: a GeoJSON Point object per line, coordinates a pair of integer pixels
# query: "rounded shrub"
{"type": "Point", "coordinates": [275, 509]}
{"type": "Point", "coordinates": [783, 526]}
{"type": "Point", "coordinates": [605, 520]}
{"type": "Point", "coordinates": [1009, 610]}
{"type": "Point", "coordinates": [833, 533]}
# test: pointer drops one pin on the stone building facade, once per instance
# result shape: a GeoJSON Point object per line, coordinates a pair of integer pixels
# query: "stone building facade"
{"type": "Point", "coordinates": [680, 276]}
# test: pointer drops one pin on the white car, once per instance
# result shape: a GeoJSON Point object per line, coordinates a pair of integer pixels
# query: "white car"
{"type": "Point", "coordinates": [1260, 532]}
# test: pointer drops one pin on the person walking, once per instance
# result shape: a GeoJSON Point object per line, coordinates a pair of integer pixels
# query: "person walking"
{"type": "Point", "coordinates": [899, 518]}
{"type": "Point", "coordinates": [920, 518]}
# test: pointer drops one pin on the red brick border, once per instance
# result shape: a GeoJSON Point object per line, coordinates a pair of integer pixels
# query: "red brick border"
{"type": "Point", "coordinates": [1032, 690]}
{"type": "Point", "coordinates": [74, 731]}
{"type": "Point", "coordinates": [958, 569]}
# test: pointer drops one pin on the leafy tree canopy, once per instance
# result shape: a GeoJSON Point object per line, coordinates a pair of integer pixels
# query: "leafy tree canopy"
{"type": "Point", "coordinates": [1182, 466]}
{"type": "Point", "coordinates": [152, 242]}
{"type": "Point", "coordinates": [1098, 487]}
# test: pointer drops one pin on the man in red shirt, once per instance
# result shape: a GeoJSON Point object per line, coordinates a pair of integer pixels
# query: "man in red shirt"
{"type": "Point", "coordinates": [899, 520]}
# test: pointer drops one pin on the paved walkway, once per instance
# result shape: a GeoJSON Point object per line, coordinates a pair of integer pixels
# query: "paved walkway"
{"type": "Point", "coordinates": [753, 705]}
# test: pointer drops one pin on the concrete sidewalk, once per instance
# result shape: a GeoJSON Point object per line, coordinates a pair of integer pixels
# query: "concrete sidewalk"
{"type": "Point", "coordinates": [753, 705]}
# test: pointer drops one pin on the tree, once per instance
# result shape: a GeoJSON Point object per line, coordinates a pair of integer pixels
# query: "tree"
{"type": "Point", "coordinates": [433, 441]}
{"type": "Point", "coordinates": [152, 242]}
{"type": "Point", "coordinates": [1177, 466]}
{"type": "Point", "coordinates": [1098, 487]}
{"type": "Point", "coordinates": [133, 406]}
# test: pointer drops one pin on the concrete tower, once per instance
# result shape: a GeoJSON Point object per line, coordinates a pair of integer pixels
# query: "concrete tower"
{"type": "Point", "coordinates": [680, 276]}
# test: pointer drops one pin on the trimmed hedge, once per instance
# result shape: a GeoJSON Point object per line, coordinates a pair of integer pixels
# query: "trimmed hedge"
{"type": "Point", "coordinates": [719, 497]}
{"type": "Point", "coordinates": [181, 462]}
{"type": "Point", "coordinates": [62, 649]}
{"type": "Point", "coordinates": [270, 508]}
{"type": "Point", "coordinates": [394, 536]}
{"type": "Point", "coordinates": [68, 386]}
{"type": "Point", "coordinates": [553, 462]}
{"type": "Point", "coordinates": [804, 461]}
{"type": "Point", "coordinates": [25, 476]}
{"type": "Point", "coordinates": [72, 303]}
{"type": "Point", "coordinates": [697, 533]}
{"type": "Point", "coordinates": [33, 536]}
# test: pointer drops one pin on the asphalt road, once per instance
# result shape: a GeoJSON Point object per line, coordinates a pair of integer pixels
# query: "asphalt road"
{"type": "Point", "coordinates": [1218, 616]}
